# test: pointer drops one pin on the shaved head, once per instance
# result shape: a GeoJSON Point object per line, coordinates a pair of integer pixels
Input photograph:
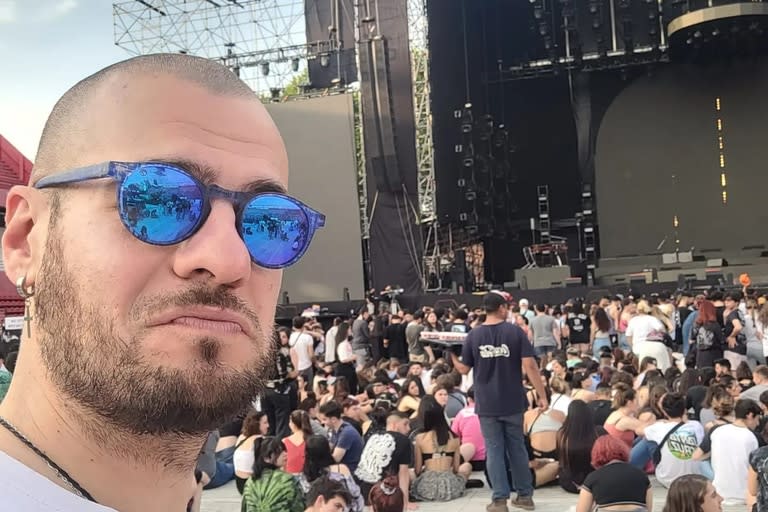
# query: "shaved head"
{"type": "Point", "coordinates": [67, 127]}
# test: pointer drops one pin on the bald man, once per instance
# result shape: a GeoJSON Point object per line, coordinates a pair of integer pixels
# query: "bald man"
{"type": "Point", "coordinates": [150, 245]}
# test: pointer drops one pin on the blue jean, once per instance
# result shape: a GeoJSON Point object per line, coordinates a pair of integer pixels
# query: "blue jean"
{"type": "Point", "coordinates": [504, 435]}
{"type": "Point", "coordinates": [623, 343]}
{"type": "Point", "coordinates": [544, 350]}
{"type": "Point", "coordinates": [224, 473]}
{"type": "Point", "coordinates": [642, 452]}
{"type": "Point", "coordinates": [705, 468]}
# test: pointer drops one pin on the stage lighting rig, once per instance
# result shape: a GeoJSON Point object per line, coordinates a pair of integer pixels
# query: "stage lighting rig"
{"type": "Point", "coordinates": [722, 30]}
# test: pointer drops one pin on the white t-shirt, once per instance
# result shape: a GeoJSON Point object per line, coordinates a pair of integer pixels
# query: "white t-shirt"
{"type": "Point", "coordinates": [639, 327]}
{"type": "Point", "coordinates": [731, 446]}
{"type": "Point", "coordinates": [304, 345]}
{"type": "Point", "coordinates": [23, 489]}
{"type": "Point", "coordinates": [345, 351]}
{"type": "Point", "coordinates": [677, 452]}
{"type": "Point", "coordinates": [330, 344]}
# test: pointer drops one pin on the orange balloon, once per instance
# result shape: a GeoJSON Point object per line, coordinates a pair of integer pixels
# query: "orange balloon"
{"type": "Point", "coordinates": [745, 280]}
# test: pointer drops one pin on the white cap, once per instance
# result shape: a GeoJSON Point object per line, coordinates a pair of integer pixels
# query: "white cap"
{"type": "Point", "coordinates": [523, 302]}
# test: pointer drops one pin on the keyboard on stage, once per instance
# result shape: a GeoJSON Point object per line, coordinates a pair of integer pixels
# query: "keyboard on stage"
{"type": "Point", "coordinates": [443, 339]}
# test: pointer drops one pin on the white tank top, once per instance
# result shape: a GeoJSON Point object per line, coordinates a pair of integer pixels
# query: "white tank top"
{"type": "Point", "coordinates": [243, 460]}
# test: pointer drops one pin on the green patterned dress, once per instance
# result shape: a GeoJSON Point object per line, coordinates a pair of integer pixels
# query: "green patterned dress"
{"type": "Point", "coordinates": [275, 491]}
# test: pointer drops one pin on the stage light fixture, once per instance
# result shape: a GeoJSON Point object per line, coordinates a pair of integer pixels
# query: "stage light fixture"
{"type": "Point", "coordinates": [265, 68]}
{"type": "Point", "coordinates": [295, 64]}
{"type": "Point", "coordinates": [467, 120]}
{"type": "Point", "coordinates": [325, 60]}
{"type": "Point", "coordinates": [468, 161]}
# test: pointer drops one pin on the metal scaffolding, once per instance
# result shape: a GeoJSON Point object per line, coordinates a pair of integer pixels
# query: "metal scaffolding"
{"type": "Point", "coordinates": [362, 176]}
{"type": "Point", "coordinates": [263, 41]}
{"type": "Point", "coordinates": [417, 33]}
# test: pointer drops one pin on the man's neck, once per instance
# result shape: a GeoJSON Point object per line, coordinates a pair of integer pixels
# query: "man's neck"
{"type": "Point", "coordinates": [121, 471]}
{"type": "Point", "coordinates": [494, 320]}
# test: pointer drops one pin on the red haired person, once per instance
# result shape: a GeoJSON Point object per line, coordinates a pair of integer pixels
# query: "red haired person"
{"type": "Point", "coordinates": [386, 496]}
{"type": "Point", "coordinates": [615, 484]}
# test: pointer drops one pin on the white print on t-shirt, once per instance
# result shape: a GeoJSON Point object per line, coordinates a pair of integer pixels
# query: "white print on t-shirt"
{"type": "Point", "coordinates": [682, 444]}
{"type": "Point", "coordinates": [490, 351]}
{"type": "Point", "coordinates": [376, 456]}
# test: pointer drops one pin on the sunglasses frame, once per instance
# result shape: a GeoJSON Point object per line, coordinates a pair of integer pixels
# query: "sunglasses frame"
{"type": "Point", "coordinates": [119, 171]}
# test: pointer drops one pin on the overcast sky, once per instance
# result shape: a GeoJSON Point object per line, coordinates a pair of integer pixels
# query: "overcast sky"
{"type": "Point", "coordinates": [46, 46]}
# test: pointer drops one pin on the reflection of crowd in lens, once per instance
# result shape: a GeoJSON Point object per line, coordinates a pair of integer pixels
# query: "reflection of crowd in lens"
{"type": "Point", "coordinates": [154, 201]}
{"type": "Point", "coordinates": [278, 225]}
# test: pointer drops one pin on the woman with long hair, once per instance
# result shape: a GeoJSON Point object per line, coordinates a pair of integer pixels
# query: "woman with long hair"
{"type": "Point", "coordinates": [269, 487]}
{"type": "Point", "coordinates": [255, 426]}
{"type": "Point", "coordinates": [615, 484]}
{"type": "Point", "coordinates": [600, 331]}
{"type": "Point", "coordinates": [410, 396]}
{"type": "Point", "coordinates": [693, 493]}
{"type": "Point", "coordinates": [574, 446]}
{"type": "Point", "coordinates": [440, 475]}
{"type": "Point", "coordinates": [319, 462]}
{"type": "Point", "coordinates": [301, 429]}
{"type": "Point", "coordinates": [707, 339]}
{"type": "Point", "coordinates": [345, 357]}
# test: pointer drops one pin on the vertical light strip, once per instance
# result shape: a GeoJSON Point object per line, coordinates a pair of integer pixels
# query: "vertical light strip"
{"type": "Point", "coordinates": [721, 151]}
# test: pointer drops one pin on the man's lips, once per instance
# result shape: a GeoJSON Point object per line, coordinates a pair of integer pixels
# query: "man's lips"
{"type": "Point", "coordinates": [204, 318]}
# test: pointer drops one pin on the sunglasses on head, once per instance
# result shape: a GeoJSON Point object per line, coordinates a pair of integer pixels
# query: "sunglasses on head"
{"type": "Point", "coordinates": [163, 204]}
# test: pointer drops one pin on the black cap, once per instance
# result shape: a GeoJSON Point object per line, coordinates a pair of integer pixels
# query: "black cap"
{"type": "Point", "coordinates": [493, 301]}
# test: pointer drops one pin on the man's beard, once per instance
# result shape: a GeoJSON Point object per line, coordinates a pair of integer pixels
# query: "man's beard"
{"type": "Point", "coordinates": [90, 364]}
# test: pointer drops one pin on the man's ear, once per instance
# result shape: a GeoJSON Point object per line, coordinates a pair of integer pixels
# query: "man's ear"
{"type": "Point", "coordinates": [23, 238]}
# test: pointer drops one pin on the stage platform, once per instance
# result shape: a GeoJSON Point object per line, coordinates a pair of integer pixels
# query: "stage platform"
{"type": "Point", "coordinates": [723, 269]}
{"type": "Point", "coordinates": [635, 276]}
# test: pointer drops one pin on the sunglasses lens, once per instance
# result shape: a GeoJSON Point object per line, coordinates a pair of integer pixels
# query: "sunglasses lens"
{"type": "Point", "coordinates": [160, 205]}
{"type": "Point", "coordinates": [275, 229]}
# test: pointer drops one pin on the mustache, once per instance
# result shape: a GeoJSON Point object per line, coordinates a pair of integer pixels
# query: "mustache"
{"type": "Point", "coordinates": [220, 297]}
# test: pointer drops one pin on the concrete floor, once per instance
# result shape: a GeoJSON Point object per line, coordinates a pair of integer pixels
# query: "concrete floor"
{"type": "Point", "coordinates": [548, 499]}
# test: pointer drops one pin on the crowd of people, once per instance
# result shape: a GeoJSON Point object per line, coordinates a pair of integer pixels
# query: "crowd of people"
{"type": "Point", "coordinates": [593, 398]}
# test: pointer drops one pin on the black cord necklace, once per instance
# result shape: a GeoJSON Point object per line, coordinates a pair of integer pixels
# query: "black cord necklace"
{"type": "Point", "coordinates": [63, 475]}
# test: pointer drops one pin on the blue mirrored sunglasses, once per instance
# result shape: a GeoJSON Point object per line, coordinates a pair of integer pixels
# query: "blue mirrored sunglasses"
{"type": "Point", "coordinates": [163, 204]}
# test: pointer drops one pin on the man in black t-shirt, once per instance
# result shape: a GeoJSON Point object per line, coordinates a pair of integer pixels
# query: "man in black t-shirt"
{"type": "Point", "coordinates": [386, 454]}
{"type": "Point", "coordinates": [733, 325]}
{"type": "Point", "coordinates": [498, 352]}
{"type": "Point", "coordinates": [601, 406]}
{"type": "Point", "coordinates": [395, 345]}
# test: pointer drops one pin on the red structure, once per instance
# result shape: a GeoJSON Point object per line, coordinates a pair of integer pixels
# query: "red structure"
{"type": "Point", "coordinates": [15, 169]}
